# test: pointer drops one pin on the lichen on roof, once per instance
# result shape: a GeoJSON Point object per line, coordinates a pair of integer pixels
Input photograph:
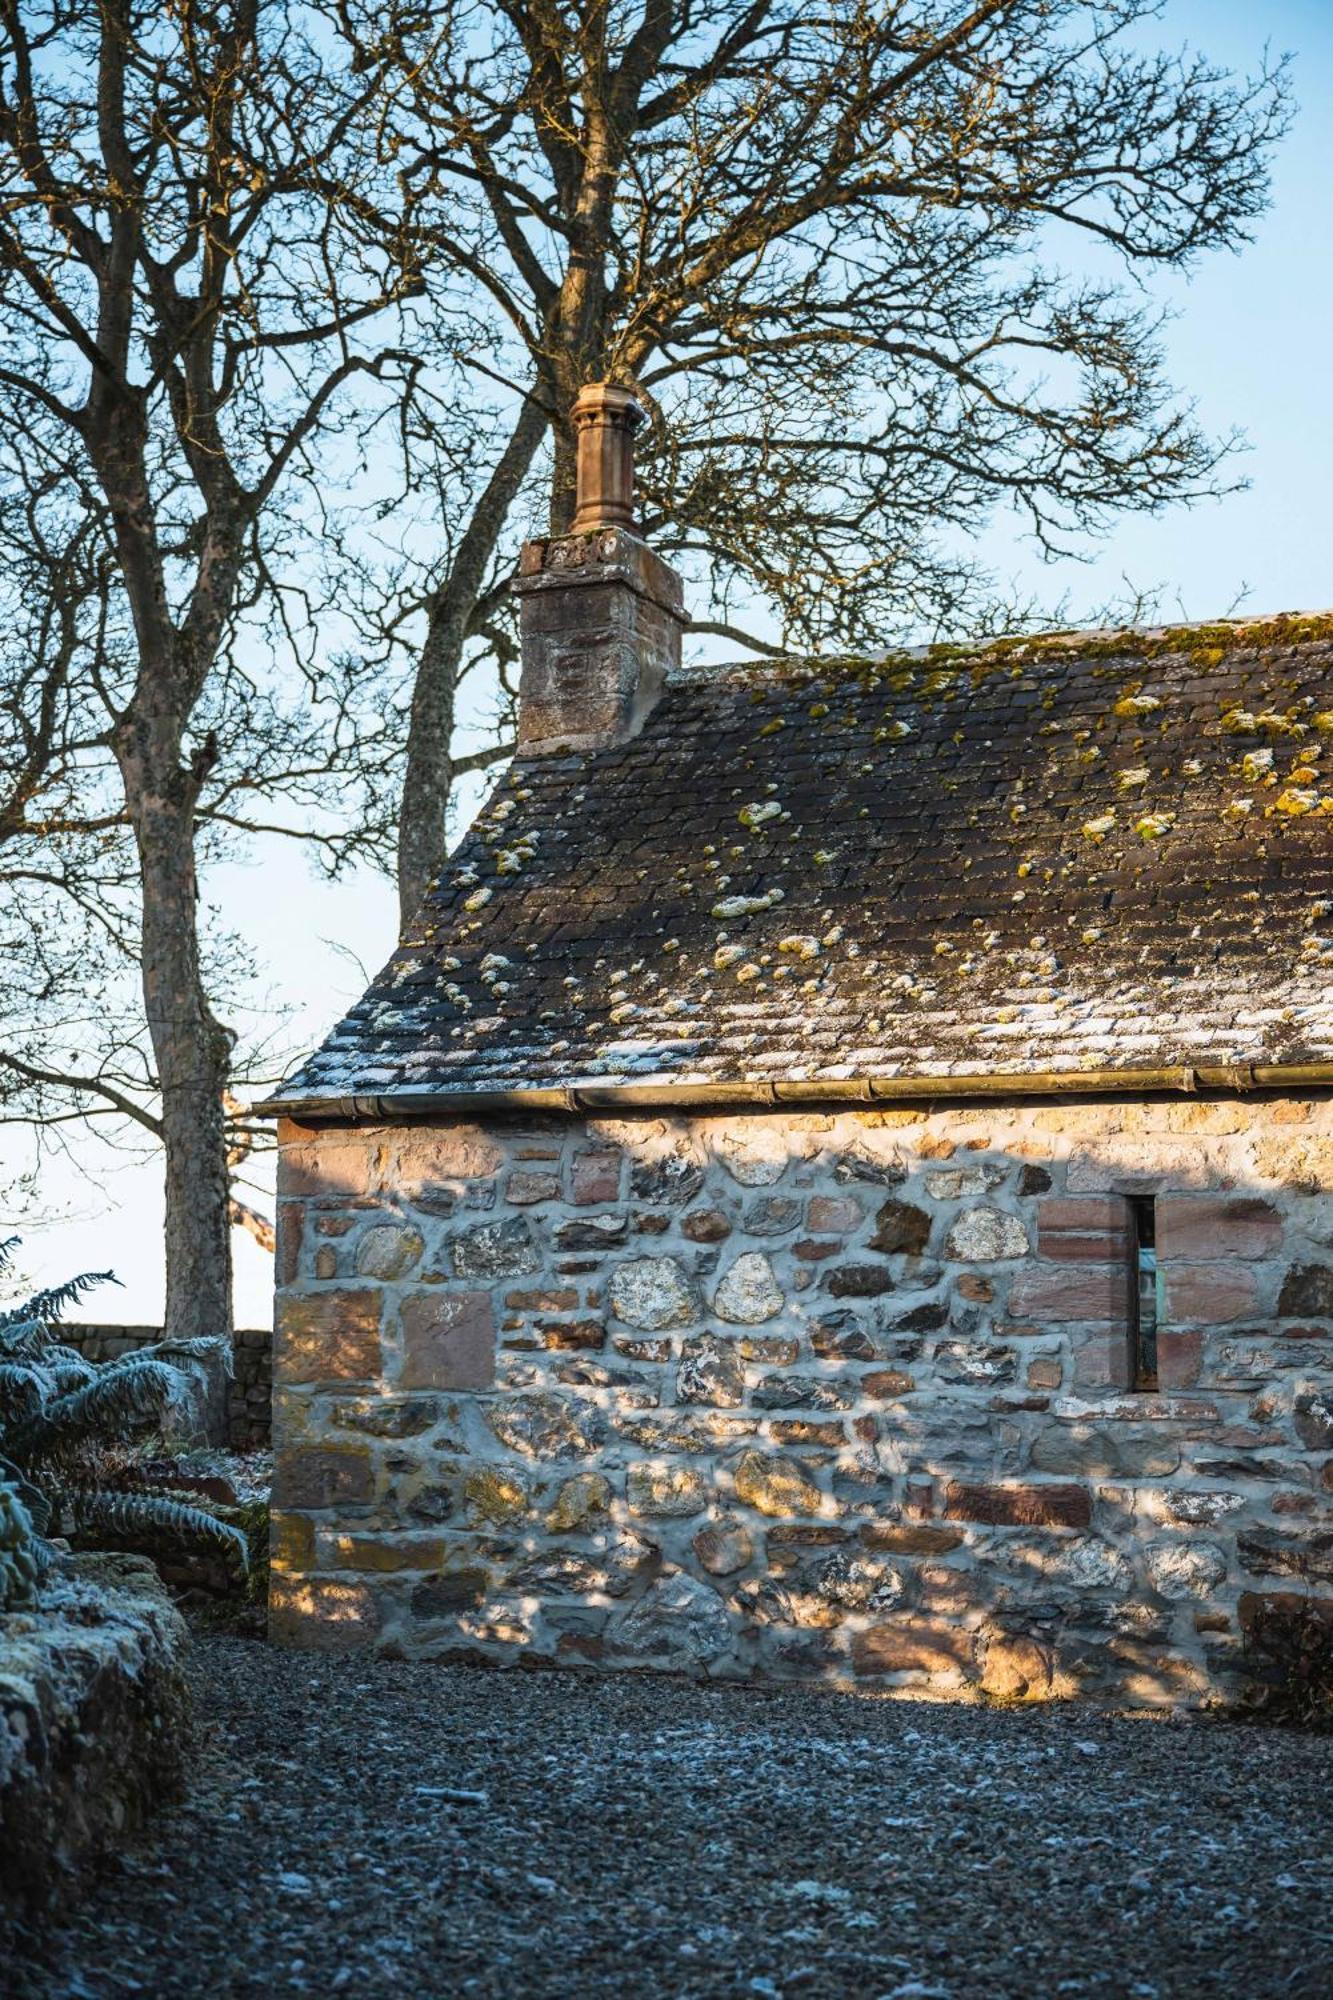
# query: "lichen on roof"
{"type": "Point", "coordinates": [1046, 854]}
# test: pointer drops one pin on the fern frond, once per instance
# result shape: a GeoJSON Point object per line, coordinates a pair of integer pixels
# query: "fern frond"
{"type": "Point", "coordinates": [8, 1245]}
{"type": "Point", "coordinates": [36, 1502]}
{"type": "Point", "coordinates": [52, 1302]}
{"type": "Point", "coordinates": [151, 1518]}
{"type": "Point", "coordinates": [24, 1339]}
{"type": "Point", "coordinates": [190, 1353]}
{"type": "Point", "coordinates": [123, 1396]}
{"type": "Point", "coordinates": [24, 1389]}
{"type": "Point", "coordinates": [67, 1367]}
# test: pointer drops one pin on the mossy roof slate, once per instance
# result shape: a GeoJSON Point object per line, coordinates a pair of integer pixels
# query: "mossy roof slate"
{"type": "Point", "coordinates": [1098, 852]}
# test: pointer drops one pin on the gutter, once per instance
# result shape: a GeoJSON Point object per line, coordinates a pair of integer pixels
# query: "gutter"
{"type": "Point", "coordinates": [1223, 1079]}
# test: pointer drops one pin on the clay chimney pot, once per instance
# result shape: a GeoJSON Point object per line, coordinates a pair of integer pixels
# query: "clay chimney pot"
{"type": "Point", "coordinates": [605, 418]}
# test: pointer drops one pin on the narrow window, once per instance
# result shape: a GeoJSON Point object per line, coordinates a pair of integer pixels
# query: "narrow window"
{"type": "Point", "coordinates": [1143, 1329]}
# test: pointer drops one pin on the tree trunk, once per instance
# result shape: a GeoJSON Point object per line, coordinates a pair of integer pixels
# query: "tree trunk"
{"type": "Point", "coordinates": [564, 479]}
{"type": "Point", "coordinates": [192, 1050]}
{"type": "Point", "coordinates": [428, 778]}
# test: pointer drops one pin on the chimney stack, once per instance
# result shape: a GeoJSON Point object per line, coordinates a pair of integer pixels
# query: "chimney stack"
{"type": "Point", "coordinates": [600, 616]}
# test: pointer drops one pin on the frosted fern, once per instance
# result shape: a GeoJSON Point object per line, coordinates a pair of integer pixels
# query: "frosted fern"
{"type": "Point", "coordinates": [61, 1418]}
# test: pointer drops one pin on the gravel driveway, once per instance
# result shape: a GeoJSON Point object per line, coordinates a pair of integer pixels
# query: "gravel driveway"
{"type": "Point", "coordinates": [368, 1829]}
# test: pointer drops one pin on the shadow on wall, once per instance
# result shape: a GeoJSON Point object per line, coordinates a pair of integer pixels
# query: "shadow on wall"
{"type": "Point", "coordinates": [865, 1399]}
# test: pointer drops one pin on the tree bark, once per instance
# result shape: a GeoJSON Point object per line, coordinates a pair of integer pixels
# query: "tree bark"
{"type": "Point", "coordinates": [191, 1049]}
{"type": "Point", "coordinates": [429, 774]}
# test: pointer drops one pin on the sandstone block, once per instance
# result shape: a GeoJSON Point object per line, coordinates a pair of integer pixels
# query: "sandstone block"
{"type": "Point", "coordinates": [291, 1542]}
{"type": "Point", "coordinates": [1103, 1359]}
{"type": "Point", "coordinates": [526, 1189]}
{"type": "Point", "coordinates": [834, 1215]}
{"type": "Point", "coordinates": [1209, 1294]}
{"type": "Point", "coordinates": [911, 1538]}
{"type": "Point", "coordinates": [887, 1384]}
{"type": "Point", "coordinates": [1179, 1357]}
{"type": "Point", "coordinates": [1015, 1668]}
{"type": "Point", "coordinates": [1207, 1227]}
{"type": "Point", "coordinates": [323, 1475]}
{"type": "Point", "coordinates": [1016, 1506]}
{"type": "Point", "coordinates": [448, 1341]}
{"type": "Point", "coordinates": [913, 1646]}
{"type": "Point", "coordinates": [384, 1554]}
{"type": "Point", "coordinates": [596, 1178]}
{"type": "Point", "coordinates": [337, 1163]}
{"type": "Point", "coordinates": [1082, 1292]}
{"type": "Point", "coordinates": [287, 1256]}
{"type": "Point", "coordinates": [328, 1336]}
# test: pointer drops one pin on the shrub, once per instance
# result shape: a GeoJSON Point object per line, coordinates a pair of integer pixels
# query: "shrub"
{"type": "Point", "coordinates": [62, 1419]}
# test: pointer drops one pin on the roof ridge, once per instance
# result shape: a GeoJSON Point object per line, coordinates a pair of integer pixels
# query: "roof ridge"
{"type": "Point", "coordinates": [1290, 627]}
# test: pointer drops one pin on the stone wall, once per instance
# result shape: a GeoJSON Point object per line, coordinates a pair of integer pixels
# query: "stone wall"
{"type": "Point", "coordinates": [827, 1397]}
{"type": "Point", "coordinates": [94, 1724]}
{"type": "Point", "coordinates": [249, 1392]}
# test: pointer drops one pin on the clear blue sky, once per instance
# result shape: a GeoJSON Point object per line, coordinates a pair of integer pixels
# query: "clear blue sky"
{"type": "Point", "coordinates": [1251, 345]}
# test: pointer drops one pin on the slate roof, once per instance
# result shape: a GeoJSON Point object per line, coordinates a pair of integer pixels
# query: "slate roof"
{"type": "Point", "coordinates": [1112, 851]}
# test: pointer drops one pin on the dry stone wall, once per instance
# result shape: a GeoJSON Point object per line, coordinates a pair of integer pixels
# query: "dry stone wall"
{"type": "Point", "coordinates": [843, 1398]}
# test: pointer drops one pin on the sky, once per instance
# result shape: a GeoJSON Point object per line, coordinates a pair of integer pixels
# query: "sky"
{"type": "Point", "coordinates": [1250, 343]}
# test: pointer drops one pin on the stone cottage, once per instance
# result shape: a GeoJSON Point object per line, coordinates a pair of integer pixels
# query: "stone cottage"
{"type": "Point", "coordinates": [835, 1183]}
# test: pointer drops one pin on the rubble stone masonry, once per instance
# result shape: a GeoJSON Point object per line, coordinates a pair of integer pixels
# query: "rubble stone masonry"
{"type": "Point", "coordinates": [845, 1398]}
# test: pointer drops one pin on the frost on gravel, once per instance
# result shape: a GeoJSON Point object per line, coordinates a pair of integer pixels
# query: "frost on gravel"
{"type": "Point", "coordinates": [380, 1829]}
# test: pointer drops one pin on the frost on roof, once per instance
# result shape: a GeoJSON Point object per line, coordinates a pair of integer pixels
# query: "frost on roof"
{"type": "Point", "coordinates": [1045, 857]}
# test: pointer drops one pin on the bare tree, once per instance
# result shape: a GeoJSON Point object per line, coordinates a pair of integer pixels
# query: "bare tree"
{"type": "Point", "coordinates": [821, 244]}
{"type": "Point", "coordinates": [188, 292]}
